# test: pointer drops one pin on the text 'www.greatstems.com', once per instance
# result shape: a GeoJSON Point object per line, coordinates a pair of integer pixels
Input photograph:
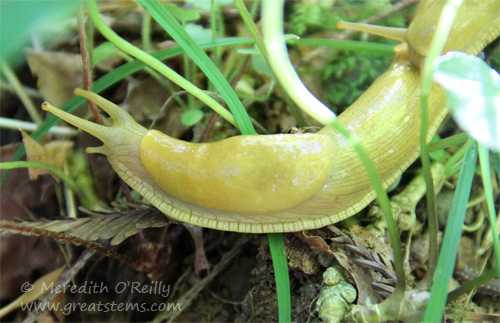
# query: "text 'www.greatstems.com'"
{"type": "Point", "coordinates": [99, 306]}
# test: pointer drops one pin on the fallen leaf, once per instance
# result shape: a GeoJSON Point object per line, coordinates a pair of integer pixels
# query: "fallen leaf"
{"type": "Point", "coordinates": [58, 74]}
{"type": "Point", "coordinates": [53, 153]}
{"type": "Point", "coordinates": [33, 291]}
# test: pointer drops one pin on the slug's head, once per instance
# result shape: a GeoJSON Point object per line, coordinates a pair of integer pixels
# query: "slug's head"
{"type": "Point", "coordinates": [476, 24]}
{"type": "Point", "coordinates": [123, 132]}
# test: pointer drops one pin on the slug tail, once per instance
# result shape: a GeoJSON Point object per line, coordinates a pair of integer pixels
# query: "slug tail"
{"type": "Point", "coordinates": [94, 129]}
{"type": "Point", "coordinates": [388, 32]}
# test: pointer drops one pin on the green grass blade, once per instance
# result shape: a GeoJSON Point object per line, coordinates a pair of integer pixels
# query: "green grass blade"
{"type": "Point", "coordinates": [454, 140]}
{"type": "Point", "coordinates": [366, 47]}
{"type": "Point", "coordinates": [280, 264]}
{"type": "Point", "coordinates": [448, 255]}
{"type": "Point", "coordinates": [496, 162]}
{"type": "Point", "coordinates": [36, 164]}
{"type": "Point", "coordinates": [170, 24]}
{"type": "Point", "coordinates": [471, 284]}
{"type": "Point", "coordinates": [484, 158]}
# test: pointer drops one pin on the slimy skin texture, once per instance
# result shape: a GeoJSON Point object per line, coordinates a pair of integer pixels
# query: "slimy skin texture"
{"type": "Point", "coordinates": [287, 183]}
{"type": "Point", "coordinates": [298, 167]}
{"type": "Point", "coordinates": [476, 25]}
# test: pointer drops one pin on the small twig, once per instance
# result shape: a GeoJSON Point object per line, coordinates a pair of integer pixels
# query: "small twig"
{"type": "Point", "coordinates": [87, 72]}
{"type": "Point", "coordinates": [65, 278]}
{"type": "Point", "coordinates": [86, 62]}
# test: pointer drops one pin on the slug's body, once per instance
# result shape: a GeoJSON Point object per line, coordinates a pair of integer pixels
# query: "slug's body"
{"type": "Point", "coordinates": [240, 165]}
{"type": "Point", "coordinates": [285, 183]}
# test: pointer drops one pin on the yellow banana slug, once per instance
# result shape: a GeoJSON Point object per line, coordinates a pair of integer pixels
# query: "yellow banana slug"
{"type": "Point", "coordinates": [286, 183]}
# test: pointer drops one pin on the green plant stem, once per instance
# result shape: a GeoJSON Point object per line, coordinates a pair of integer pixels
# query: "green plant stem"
{"type": "Point", "coordinates": [366, 47]}
{"type": "Point", "coordinates": [31, 92]}
{"type": "Point", "coordinates": [250, 24]}
{"type": "Point", "coordinates": [280, 264]}
{"type": "Point", "coordinates": [13, 124]}
{"type": "Point", "coordinates": [488, 191]}
{"type": "Point", "coordinates": [452, 164]}
{"type": "Point", "coordinates": [454, 140]}
{"type": "Point", "coordinates": [437, 44]}
{"type": "Point", "coordinates": [146, 31]}
{"type": "Point", "coordinates": [160, 79]}
{"type": "Point", "coordinates": [134, 51]}
{"type": "Point", "coordinates": [233, 68]}
{"type": "Point", "coordinates": [385, 205]}
{"type": "Point", "coordinates": [448, 255]}
{"type": "Point", "coordinates": [35, 164]}
{"type": "Point", "coordinates": [252, 28]}
{"type": "Point", "coordinates": [18, 88]}
{"type": "Point", "coordinates": [496, 162]}
{"type": "Point", "coordinates": [214, 11]}
{"type": "Point", "coordinates": [471, 284]}
{"type": "Point", "coordinates": [276, 241]}
{"type": "Point", "coordinates": [274, 41]}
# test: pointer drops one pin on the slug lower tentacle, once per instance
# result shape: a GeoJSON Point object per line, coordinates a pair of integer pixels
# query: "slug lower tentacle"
{"type": "Point", "coordinates": [286, 183]}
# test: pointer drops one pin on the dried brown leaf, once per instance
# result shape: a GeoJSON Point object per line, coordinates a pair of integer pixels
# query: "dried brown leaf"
{"type": "Point", "coordinates": [53, 153]}
{"type": "Point", "coordinates": [33, 291]}
{"type": "Point", "coordinates": [145, 98]}
{"type": "Point", "coordinates": [58, 74]}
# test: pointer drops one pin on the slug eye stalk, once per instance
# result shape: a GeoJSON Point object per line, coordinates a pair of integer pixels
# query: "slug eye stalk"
{"type": "Point", "coordinates": [122, 128]}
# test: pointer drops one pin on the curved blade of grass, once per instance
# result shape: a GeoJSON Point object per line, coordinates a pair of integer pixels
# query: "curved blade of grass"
{"type": "Point", "coordinates": [261, 52]}
{"type": "Point", "coordinates": [35, 164]}
{"type": "Point", "coordinates": [484, 158]}
{"type": "Point", "coordinates": [366, 47]}
{"type": "Point", "coordinates": [496, 162]}
{"type": "Point", "coordinates": [471, 284]}
{"type": "Point", "coordinates": [280, 264]}
{"type": "Point", "coordinates": [444, 143]}
{"type": "Point", "coordinates": [171, 26]}
{"type": "Point", "coordinates": [448, 254]}
{"type": "Point", "coordinates": [274, 41]}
